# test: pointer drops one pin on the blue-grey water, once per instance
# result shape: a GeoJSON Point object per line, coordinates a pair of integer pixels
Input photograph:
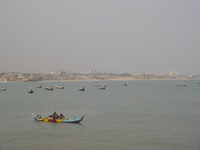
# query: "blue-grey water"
{"type": "Point", "coordinates": [146, 115]}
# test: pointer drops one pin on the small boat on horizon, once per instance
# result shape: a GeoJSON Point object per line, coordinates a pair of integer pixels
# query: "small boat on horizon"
{"type": "Point", "coordinates": [59, 87]}
{"type": "Point", "coordinates": [180, 84]}
{"type": "Point", "coordinates": [3, 89]}
{"type": "Point", "coordinates": [82, 88]}
{"type": "Point", "coordinates": [49, 88]}
{"type": "Point", "coordinates": [30, 90]}
{"type": "Point", "coordinates": [39, 86]}
{"type": "Point", "coordinates": [102, 87]}
{"type": "Point", "coordinates": [98, 85]}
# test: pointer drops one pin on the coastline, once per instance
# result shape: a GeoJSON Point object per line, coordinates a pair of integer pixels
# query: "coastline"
{"type": "Point", "coordinates": [106, 79]}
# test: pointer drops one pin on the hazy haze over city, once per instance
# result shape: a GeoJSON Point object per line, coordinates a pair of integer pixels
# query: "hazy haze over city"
{"type": "Point", "coordinates": [111, 36]}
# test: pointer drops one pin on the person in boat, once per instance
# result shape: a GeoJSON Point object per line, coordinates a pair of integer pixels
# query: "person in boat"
{"type": "Point", "coordinates": [39, 116]}
{"type": "Point", "coordinates": [55, 116]}
{"type": "Point", "coordinates": [62, 116]}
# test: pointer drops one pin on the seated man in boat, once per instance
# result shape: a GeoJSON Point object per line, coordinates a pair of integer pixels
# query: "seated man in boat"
{"type": "Point", "coordinates": [39, 116]}
{"type": "Point", "coordinates": [62, 116]}
{"type": "Point", "coordinates": [55, 116]}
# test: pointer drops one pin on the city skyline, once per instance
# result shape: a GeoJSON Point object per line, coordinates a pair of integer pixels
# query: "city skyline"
{"type": "Point", "coordinates": [112, 36]}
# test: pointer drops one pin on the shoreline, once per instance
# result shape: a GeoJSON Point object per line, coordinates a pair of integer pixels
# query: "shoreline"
{"type": "Point", "coordinates": [97, 80]}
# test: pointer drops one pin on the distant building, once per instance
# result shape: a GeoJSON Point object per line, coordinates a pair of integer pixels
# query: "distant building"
{"type": "Point", "coordinates": [54, 72]}
{"type": "Point", "coordinates": [172, 73]}
{"type": "Point", "coordinates": [92, 71]}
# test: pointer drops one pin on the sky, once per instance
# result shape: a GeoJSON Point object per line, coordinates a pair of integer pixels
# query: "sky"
{"type": "Point", "coordinates": [110, 36]}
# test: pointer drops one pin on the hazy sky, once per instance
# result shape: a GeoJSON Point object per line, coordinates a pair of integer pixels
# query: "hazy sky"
{"type": "Point", "coordinates": [112, 36]}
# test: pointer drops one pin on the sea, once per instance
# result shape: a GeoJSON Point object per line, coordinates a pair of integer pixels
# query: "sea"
{"type": "Point", "coordinates": [145, 115]}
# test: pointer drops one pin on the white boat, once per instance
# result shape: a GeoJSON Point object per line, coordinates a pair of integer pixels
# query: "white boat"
{"type": "Point", "coordinates": [49, 88]}
{"type": "Point", "coordinates": [59, 87]}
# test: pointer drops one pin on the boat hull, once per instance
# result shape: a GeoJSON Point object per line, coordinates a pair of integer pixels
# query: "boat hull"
{"type": "Point", "coordinates": [66, 120]}
{"type": "Point", "coordinates": [49, 88]}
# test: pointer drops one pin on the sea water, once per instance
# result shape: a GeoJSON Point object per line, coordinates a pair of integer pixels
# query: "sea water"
{"type": "Point", "coordinates": [145, 115]}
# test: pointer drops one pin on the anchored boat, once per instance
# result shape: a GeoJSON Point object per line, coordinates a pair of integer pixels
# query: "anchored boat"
{"type": "Point", "coordinates": [3, 89]}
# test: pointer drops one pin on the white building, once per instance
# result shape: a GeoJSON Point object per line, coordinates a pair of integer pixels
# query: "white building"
{"type": "Point", "coordinates": [172, 73]}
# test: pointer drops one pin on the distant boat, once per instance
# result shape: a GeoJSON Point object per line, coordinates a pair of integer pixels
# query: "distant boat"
{"type": "Point", "coordinates": [178, 84]}
{"type": "Point", "coordinates": [30, 90]}
{"type": "Point", "coordinates": [59, 87]}
{"type": "Point", "coordinates": [3, 89]}
{"type": "Point", "coordinates": [82, 88]}
{"type": "Point", "coordinates": [39, 86]}
{"type": "Point", "coordinates": [49, 88]}
{"type": "Point", "coordinates": [198, 82]}
{"type": "Point", "coordinates": [126, 83]}
{"type": "Point", "coordinates": [102, 87]}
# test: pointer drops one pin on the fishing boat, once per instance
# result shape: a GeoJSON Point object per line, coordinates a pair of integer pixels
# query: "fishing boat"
{"type": "Point", "coordinates": [3, 89]}
{"type": "Point", "coordinates": [178, 84]}
{"type": "Point", "coordinates": [81, 88]}
{"type": "Point", "coordinates": [39, 86]}
{"type": "Point", "coordinates": [30, 90]}
{"type": "Point", "coordinates": [126, 84]}
{"type": "Point", "coordinates": [102, 87]}
{"type": "Point", "coordinates": [59, 87]}
{"type": "Point", "coordinates": [49, 88]}
{"type": "Point", "coordinates": [51, 119]}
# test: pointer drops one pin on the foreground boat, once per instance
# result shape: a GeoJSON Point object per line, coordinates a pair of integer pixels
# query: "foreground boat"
{"type": "Point", "coordinates": [65, 120]}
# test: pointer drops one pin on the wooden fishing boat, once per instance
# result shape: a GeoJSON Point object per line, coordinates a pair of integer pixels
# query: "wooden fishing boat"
{"type": "Point", "coordinates": [98, 85]}
{"type": "Point", "coordinates": [39, 86]}
{"type": "Point", "coordinates": [126, 84]}
{"type": "Point", "coordinates": [49, 88]}
{"type": "Point", "coordinates": [30, 90]}
{"type": "Point", "coordinates": [65, 120]}
{"type": "Point", "coordinates": [59, 87]}
{"type": "Point", "coordinates": [102, 87]}
{"type": "Point", "coordinates": [178, 84]}
{"type": "Point", "coordinates": [82, 88]}
{"type": "Point", "coordinates": [3, 89]}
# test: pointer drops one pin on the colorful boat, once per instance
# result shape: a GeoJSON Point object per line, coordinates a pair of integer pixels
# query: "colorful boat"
{"type": "Point", "coordinates": [65, 120]}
